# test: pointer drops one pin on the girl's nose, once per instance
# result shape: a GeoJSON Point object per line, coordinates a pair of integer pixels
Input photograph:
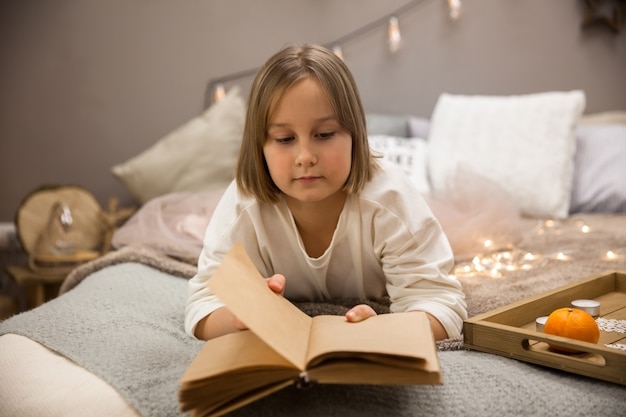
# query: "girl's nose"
{"type": "Point", "coordinates": [305, 155]}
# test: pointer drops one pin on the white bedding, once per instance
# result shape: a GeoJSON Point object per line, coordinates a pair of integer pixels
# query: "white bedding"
{"type": "Point", "coordinates": [38, 382]}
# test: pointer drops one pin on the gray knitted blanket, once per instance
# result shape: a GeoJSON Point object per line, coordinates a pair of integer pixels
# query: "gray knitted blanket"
{"type": "Point", "coordinates": [121, 317]}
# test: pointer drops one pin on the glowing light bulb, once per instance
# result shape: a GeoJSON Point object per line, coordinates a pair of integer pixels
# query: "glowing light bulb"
{"type": "Point", "coordinates": [561, 256]}
{"type": "Point", "coordinates": [219, 93]}
{"type": "Point", "coordinates": [337, 51]}
{"type": "Point", "coordinates": [455, 8]}
{"type": "Point", "coordinates": [394, 34]}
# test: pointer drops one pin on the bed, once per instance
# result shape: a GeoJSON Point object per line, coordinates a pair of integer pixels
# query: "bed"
{"type": "Point", "coordinates": [113, 342]}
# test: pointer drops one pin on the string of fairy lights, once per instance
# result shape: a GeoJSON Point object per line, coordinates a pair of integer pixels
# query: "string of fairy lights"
{"type": "Point", "coordinates": [217, 89]}
{"type": "Point", "coordinates": [494, 263]}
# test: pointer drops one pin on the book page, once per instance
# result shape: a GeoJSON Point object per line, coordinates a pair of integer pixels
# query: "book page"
{"type": "Point", "coordinates": [232, 353]}
{"type": "Point", "coordinates": [274, 319]}
{"type": "Point", "coordinates": [396, 339]}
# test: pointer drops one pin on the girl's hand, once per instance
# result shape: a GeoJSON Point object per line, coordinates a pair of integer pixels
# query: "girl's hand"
{"type": "Point", "coordinates": [223, 321]}
{"type": "Point", "coordinates": [359, 313]}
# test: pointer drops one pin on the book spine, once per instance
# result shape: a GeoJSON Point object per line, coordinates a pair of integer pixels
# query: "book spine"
{"type": "Point", "coordinates": [303, 382]}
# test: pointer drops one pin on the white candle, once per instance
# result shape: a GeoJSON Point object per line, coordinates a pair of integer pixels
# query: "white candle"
{"type": "Point", "coordinates": [590, 306]}
{"type": "Point", "coordinates": [540, 322]}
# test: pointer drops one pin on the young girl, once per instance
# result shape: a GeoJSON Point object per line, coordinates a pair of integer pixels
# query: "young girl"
{"type": "Point", "coordinates": [317, 213]}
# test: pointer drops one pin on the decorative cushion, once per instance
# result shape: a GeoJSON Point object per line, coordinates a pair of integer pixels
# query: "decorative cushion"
{"type": "Point", "coordinates": [172, 224]}
{"type": "Point", "coordinates": [388, 124]}
{"type": "Point", "coordinates": [409, 153]}
{"type": "Point", "coordinates": [524, 143]}
{"type": "Point", "coordinates": [419, 127]}
{"type": "Point", "coordinates": [604, 118]}
{"type": "Point", "coordinates": [198, 155]}
{"type": "Point", "coordinates": [600, 169]}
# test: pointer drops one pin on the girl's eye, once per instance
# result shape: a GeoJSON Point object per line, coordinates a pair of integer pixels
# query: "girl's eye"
{"type": "Point", "coordinates": [326, 135]}
{"type": "Point", "coordinates": [284, 140]}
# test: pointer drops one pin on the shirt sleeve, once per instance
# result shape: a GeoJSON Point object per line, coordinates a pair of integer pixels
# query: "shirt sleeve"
{"type": "Point", "coordinates": [416, 257]}
{"type": "Point", "coordinates": [218, 240]}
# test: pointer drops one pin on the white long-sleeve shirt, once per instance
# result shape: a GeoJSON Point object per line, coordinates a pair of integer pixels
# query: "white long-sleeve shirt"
{"type": "Point", "coordinates": [387, 241]}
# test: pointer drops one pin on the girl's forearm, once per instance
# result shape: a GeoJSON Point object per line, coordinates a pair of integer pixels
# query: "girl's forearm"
{"type": "Point", "coordinates": [439, 331]}
{"type": "Point", "coordinates": [218, 323]}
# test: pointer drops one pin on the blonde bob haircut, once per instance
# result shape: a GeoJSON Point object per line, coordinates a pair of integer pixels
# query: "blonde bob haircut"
{"type": "Point", "coordinates": [283, 70]}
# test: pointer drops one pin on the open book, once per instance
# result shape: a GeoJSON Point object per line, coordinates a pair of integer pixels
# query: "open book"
{"type": "Point", "coordinates": [284, 346]}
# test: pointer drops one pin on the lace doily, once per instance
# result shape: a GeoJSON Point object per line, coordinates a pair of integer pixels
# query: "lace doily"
{"type": "Point", "coordinates": [619, 346]}
{"type": "Point", "coordinates": [611, 325]}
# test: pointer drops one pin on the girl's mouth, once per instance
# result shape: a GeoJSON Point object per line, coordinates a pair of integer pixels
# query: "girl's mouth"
{"type": "Point", "coordinates": [307, 179]}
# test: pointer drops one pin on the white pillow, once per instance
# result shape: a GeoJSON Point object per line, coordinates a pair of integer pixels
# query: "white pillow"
{"type": "Point", "coordinates": [409, 153]}
{"type": "Point", "coordinates": [524, 143]}
{"type": "Point", "coordinates": [198, 155]}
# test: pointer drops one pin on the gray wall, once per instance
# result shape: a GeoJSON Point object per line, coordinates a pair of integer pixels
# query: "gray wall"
{"type": "Point", "coordinates": [85, 84]}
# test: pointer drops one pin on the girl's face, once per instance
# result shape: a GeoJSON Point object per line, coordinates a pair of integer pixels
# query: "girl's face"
{"type": "Point", "coordinates": [308, 153]}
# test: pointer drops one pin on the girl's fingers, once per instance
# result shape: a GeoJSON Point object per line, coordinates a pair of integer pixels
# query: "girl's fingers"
{"type": "Point", "coordinates": [359, 312]}
{"type": "Point", "coordinates": [276, 283]}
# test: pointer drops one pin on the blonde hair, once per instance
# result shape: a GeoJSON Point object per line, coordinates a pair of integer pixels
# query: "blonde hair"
{"type": "Point", "coordinates": [284, 69]}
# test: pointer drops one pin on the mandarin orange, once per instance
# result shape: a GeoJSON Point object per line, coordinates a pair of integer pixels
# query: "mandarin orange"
{"type": "Point", "coordinates": [573, 323]}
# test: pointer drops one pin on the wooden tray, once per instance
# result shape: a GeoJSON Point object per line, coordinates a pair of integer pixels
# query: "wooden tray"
{"type": "Point", "coordinates": [510, 331]}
